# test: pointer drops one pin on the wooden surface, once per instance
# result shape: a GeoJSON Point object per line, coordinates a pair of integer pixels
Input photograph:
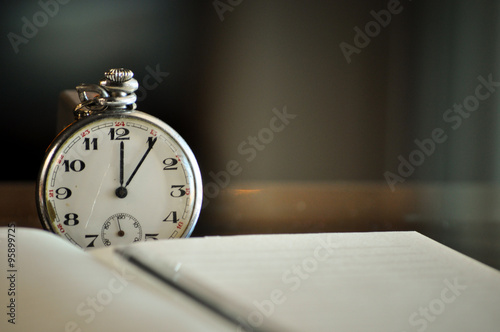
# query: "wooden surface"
{"type": "Point", "coordinates": [17, 204]}
{"type": "Point", "coordinates": [462, 216]}
{"type": "Point", "coordinates": [266, 208]}
{"type": "Point", "coordinates": [306, 207]}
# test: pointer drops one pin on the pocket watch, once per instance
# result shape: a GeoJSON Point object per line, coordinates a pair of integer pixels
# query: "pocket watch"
{"type": "Point", "coordinates": [117, 175]}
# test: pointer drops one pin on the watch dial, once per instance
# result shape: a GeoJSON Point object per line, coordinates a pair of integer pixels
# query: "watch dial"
{"type": "Point", "coordinates": [118, 180]}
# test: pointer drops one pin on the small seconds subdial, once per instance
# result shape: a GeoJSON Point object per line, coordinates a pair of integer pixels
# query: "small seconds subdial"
{"type": "Point", "coordinates": [121, 228]}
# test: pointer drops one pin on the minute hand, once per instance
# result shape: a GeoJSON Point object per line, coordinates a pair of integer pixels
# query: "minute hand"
{"type": "Point", "coordinates": [151, 143]}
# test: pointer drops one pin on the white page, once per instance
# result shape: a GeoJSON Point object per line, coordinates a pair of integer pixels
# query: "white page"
{"type": "Point", "coordinates": [387, 281]}
{"type": "Point", "coordinates": [58, 287]}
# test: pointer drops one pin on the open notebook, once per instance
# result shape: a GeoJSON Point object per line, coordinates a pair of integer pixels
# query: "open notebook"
{"type": "Point", "coordinates": [383, 281]}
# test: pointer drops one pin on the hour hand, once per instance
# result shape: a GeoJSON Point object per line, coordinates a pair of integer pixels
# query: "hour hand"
{"type": "Point", "coordinates": [151, 142]}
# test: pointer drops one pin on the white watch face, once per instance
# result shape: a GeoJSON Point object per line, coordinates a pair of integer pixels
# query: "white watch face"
{"type": "Point", "coordinates": [119, 179]}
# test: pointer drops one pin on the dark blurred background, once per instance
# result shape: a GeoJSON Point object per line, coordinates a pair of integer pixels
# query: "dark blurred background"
{"type": "Point", "coordinates": [359, 80]}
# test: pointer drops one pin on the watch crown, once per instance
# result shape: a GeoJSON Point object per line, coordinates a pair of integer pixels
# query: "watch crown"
{"type": "Point", "coordinates": [114, 92]}
{"type": "Point", "coordinates": [119, 82]}
{"type": "Point", "coordinates": [119, 75]}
